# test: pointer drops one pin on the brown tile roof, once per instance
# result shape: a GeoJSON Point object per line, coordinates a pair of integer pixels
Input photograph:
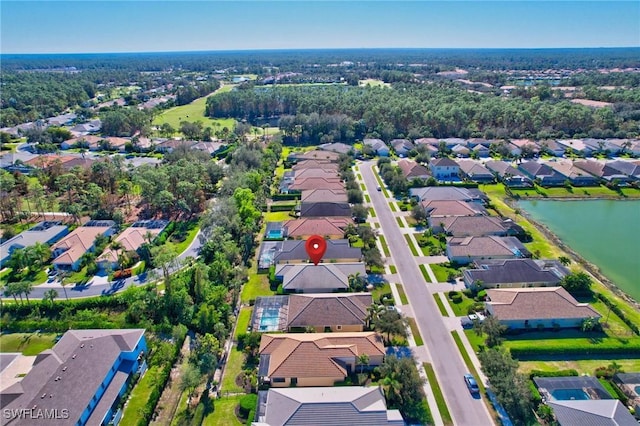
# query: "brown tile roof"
{"type": "Point", "coordinates": [324, 195]}
{"type": "Point", "coordinates": [315, 173]}
{"type": "Point", "coordinates": [537, 303]}
{"type": "Point", "coordinates": [317, 183]}
{"type": "Point", "coordinates": [332, 227]}
{"type": "Point", "coordinates": [43, 161]}
{"type": "Point", "coordinates": [77, 243]}
{"type": "Point", "coordinates": [131, 240]}
{"type": "Point", "coordinates": [411, 169]}
{"type": "Point", "coordinates": [315, 354]}
{"type": "Point", "coordinates": [315, 164]}
{"type": "Point", "coordinates": [328, 309]}
{"type": "Point", "coordinates": [452, 208]}
{"type": "Point", "coordinates": [318, 155]}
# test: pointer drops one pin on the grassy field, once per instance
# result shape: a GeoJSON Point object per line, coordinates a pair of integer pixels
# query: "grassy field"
{"type": "Point", "coordinates": [403, 296]}
{"type": "Point", "coordinates": [277, 216]}
{"type": "Point", "coordinates": [243, 321]}
{"type": "Point", "coordinates": [367, 198]}
{"type": "Point", "coordinates": [415, 332]}
{"type": "Point", "coordinates": [372, 212]}
{"type": "Point", "coordinates": [373, 83]}
{"type": "Point", "coordinates": [258, 285]}
{"type": "Point", "coordinates": [582, 366]}
{"type": "Point", "coordinates": [191, 235]}
{"type": "Point", "coordinates": [224, 412]}
{"type": "Point", "coordinates": [231, 371]}
{"type": "Point", "coordinates": [27, 343]}
{"type": "Point", "coordinates": [139, 397]}
{"type": "Point", "coordinates": [437, 394]}
{"type": "Point", "coordinates": [562, 192]}
{"type": "Point", "coordinates": [441, 308]}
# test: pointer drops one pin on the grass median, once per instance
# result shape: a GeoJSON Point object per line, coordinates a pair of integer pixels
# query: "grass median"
{"type": "Point", "coordinates": [412, 247]}
{"type": "Point", "coordinates": [425, 274]}
{"type": "Point", "coordinates": [385, 248]}
{"type": "Point", "coordinates": [403, 296]}
{"type": "Point", "coordinates": [437, 394]}
{"type": "Point", "coordinates": [415, 332]}
{"type": "Point", "coordinates": [441, 308]}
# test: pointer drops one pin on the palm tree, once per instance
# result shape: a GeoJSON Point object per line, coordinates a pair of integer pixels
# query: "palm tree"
{"type": "Point", "coordinates": [391, 386]}
{"type": "Point", "coordinates": [564, 260]}
{"type": "Point", "coordinates": [362, 361]}
{"type": "Point", "coordinates": [50, 295]}
{"type": "Point", "coordinates": [10, 290]}
{"type": "Point", "coordinates": [26, 287]}
{"type": "Point", "coordinates": [373, 313]}
{"type": "Point", "coordinates": [117, 247]}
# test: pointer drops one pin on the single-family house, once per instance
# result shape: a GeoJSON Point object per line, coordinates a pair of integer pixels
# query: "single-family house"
{"type": "Point", "coordinates": [323, 312]}
{"type": "Point", "coordinates": [324, 195]}
{"type": "Point", "coordinates": [629, 168]}
{"type": "Point", "coordinates": [603, 171]}
{"type": "Point", "coordinates": [461, 151]}
{"type": "Point", "coordinates": [208, 147]}
{"type": "Point", "coordinates": [90, 142]}
{"type": "Point", "coordinates": [629, 384]}
{"type": "Point", "coordinates": [451, 142]}
{"type": "Point", "coordinates": [515, 273]}
{"type": "Point", "coordinates": [427, 141]}
{"type": "Point", "coordinates": [602, 146]}
{"type": "Point", "coordinates": [330, 406]}
{"type": "Point", "coordinates": [437, 193]}
{"type": "Point", "coordinates": [315, 359]}
{"type": "Point", "coordinates": [475, 171]}
{"type": "Point", "coordinates": [293, 251]}
{"type": "Point", "coordinates": [508, 174]}
{"type": "Point", "coordinates": [320, 278]}
{"type": "Point", "coordinates": [526, 145]}
{"type": "Point", "coordinates": [575, 145]}
{"type": "Point", "coordinates": [301, 184]}
{"type": "Point", "coordinates": [542, 173]}
{"type": "Point", "coordinates": [62, 119]}
{"type": "Point", "coordinates": [505, 148]}
{"type": "Point", "coordinates": [402, 146]}
{"type": "Point", "coordinates": [537, 307]}
{"type": "Point", "coordinates": [47, 232]}
{"type": "Point", "coordinates": [131, 239]}
{"type": "Point", "coordinates": [552, 147]}
{"type": "Point", "coordinates": [412, 170]}
{"type": "Point", "coordinates": [16, 162]}
{"type": "Point", "coordinates": [444, 169]}
{"type": "Point", "coordinates": [481, 151]}
{"type": "Point", "coordinates": [469, 226]}
{"type": "Point", "coordinates": [444, 208]}
{"type": "Point", "coordinates": [338, 147]}
{"type": "Point", "coordinates": [324, 209]}
{"type": "Point", "coordinates": [630, 146]}
{"type": "Point", "coordinates": [81, 380]}
{"type": "Point", "coordinates": [92, 126]}
{"type": "Point", "coordinates": [575, 175]}
{"type": "Point", "coordinates": [328, 227]}
{"type": "Point", "coordinates": [465, 250]}
{"type": "Point", "coordinates": [300, 174]}
{"type": "Point", "coordinates": [68, 251]}
{"type": "Point", "coordinates": [316, 154]}
{"type": "Point", "coordinates": [314, 164]}
{"type": "Point", "coordinates": [169, 145]}
{"type": "Point", "coordinates": [378, 146]}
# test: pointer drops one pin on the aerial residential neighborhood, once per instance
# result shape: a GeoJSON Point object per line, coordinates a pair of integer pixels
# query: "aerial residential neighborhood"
{"type": "Point", "coordinates": [319, 237]}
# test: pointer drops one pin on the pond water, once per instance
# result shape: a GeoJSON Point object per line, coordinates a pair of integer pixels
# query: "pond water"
{"type": "Point", "coordinates": [604, 232]}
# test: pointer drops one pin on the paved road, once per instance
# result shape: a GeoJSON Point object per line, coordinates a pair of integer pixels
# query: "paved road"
{"type": "Point", "coordinates": [446, 359]}
{"type": "Point", "coordinates": [100, 287]}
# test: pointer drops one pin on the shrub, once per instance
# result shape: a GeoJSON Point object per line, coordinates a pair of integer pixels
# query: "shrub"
{"type": "Point", "coordinates": [251, 417]}
{"type": "Point", "coordinates": [247, 403]}
{"type": "Point", "coordinates": [452, 293]}
{"type": "Point", "coordinates": [523, 349]}
{"type": "Point", "coordinates": [556, 373]}
{"type": "Point", "coordinates": [536, 398]}
{"type": "Point", "coordinates": [616, 310]}
{"type": "Point", "coordinates": [482, 295]}
{"type": "Point", "coordinates": [457, 298]}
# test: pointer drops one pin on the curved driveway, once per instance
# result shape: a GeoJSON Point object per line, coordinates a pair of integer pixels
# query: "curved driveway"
{"type": "Point", "coordinates": [447, 361]}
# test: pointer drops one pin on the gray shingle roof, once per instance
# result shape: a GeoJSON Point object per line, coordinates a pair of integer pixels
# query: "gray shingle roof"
{"type": "Point", "coordinates": [291, 250]}
{"type": "Point", "coordinates": [524, 271]}
{"type": "Point", "coordinates": [602, 412]}
{"type": "Point", "coordinates": [328, 309]}
{"type": "Point", "coordinates": [321, 278]}
{"type": "Point", "coordinates": [43, 232]}
{"type": "Point", "coordinates": [447, 193]}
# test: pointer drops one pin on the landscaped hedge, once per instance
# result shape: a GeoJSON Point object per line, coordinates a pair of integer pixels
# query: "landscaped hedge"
{"type": "Point", "coordinates": [285, 197]}
{"type": "Point", "coordinates": [616, 310]}
{"type": "Point", "coordinates": [282, 207]}
{"type": "Point", "coordinates": [556, 373]}
{"type": "Point", "coordinates": [608, 346]}
{"type": "Point", "coordinates": [247, 404]}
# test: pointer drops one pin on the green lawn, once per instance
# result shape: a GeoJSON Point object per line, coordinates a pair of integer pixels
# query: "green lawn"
{"type": "Point", "coordinates": [372, 212]}
{"type": "Point", "coordinates": [385, 248]}
{"type": "Point", "coordinates": [425, 274]}
{"type": "Point", "coordinates": [258, 285]}
{"type": "Point", "coordinates": [277, 216]}
{"type": "Point", "coordinates": [194, 112]}
{"type": "Point", "coordinates": [224, 412]}
{"type": "Point", "coordinates": [460, 309]}
{"type": "Point", "coordinates": [77, 277]}
{"type": "Point", "coordinates": [403, 296]}
{"type": "Point", "coordinates": [441, 307]}
{"type": "Point", "coordinates": [367, 198]}
{"type": "Point", "coordinates": [392, 206]}
{"type": "Point", "coordinates": [412, 247]}
{"type": "Point", "coordinates": [139, 397]}
{"type": "Point", "coordinates": [442, 272]}
{"type": "Point", "coordinates": [465, 357]}
{"type": "Point", "coordinates": [363, 187]}
{"type": "Point", "coordinates": [437, 394]}
{"type": "Point", "coordinates": [400, 222]}
{"type": "Point", "coordinates": [380, 290]}
{"type": "Point", "coordinates": [243, 321]}
{"type": "Point", "coordinates": [393, 269]}
{"type": "Point", "coordinates": [415, 332]}
{"type": "Point", "coordinates": [191, 235]}
{"type": "Point", "coordinates": [231, 371]}
{"type": "Point", "coordinates": [27, 343]}
{"type": "Point", "coordinates": [582, 366]}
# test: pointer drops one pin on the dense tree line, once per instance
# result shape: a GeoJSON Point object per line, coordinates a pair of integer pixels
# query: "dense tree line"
{"type": "Point", "coordinates": [186, 94]}
{"type": "Point", "coordinates": [410, 110]}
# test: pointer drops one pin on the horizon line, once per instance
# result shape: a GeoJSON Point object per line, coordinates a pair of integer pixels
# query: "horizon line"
{"type": "Point", "coordinates": [289, 49]}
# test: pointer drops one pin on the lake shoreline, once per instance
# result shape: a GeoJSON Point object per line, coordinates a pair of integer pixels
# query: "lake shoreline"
{"type": "Point", "coordinates": [575, 256]}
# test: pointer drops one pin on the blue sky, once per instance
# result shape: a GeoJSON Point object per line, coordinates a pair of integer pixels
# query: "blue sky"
{"type": "Point", "coordinates": [136, 26]}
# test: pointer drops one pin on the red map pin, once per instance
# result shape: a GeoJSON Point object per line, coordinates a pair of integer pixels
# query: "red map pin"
{"type": "Point", "coordinates": [315, 246]}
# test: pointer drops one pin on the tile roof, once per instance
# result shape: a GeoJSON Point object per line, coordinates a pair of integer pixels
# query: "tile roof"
{"type": "Point", "coordinates": [314, 354]}
{"type": "Point", "coordinates": [443, 162]}
{"type": "Point", "coordinates": [317, 183]}
{"type": "Point", "coordinates": [537, 303]}
{"type": "Point", "coordinates": [600, 169]}
{"type": "Point", "coordinates": [315, 173]}
{"type": "Point", "coordinates": [411, 169]}
{"type": "Point", "coordinates": [77, 243]}
{"type": "Point", "coordinates": [325, 210]}
{"type": "Point", "coordinates": [339, 147]}
{"type": "Point", "coordinates": [314, 164]}
{"type": "Point", "coordinates": [439, 208]}
{"type": "Point", "coordinates": [464, 226]}
{"type": "Point", "coordinates": [473, 168]}
{"type": "Point", "coordinates": [292, 250]}
{"type": "Point", "coordinates": [485, 247]}
{"type": "Point", "coordinates": [568, 169]}
{"type": "Point", "coordinates": [320, 278]}
{"type": "Point", "coordinates": [131, 239]}
{"type": "Point", "coordinates": [328, 309]}
{"type": "Point", "coordinates": [629, 168]}
{"type": "Point", "coordinates": [517, 271]}
{"type": "Point", "coordinates": [447, 193]}
{"type": "Point", "coordinates": [333, 226]}
{"type": "Point", "coordinates": [327, 406]}
{"type": "Point", "coordinates": [599, 412]}
{"type": "Point", "coordinates": [82, 359]}
{"type": "Point", "coordinates": [316, 155]}
{"type": "Point", "coordinates": [324, 195]}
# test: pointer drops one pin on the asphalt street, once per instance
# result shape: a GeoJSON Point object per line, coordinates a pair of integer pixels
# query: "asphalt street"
{"type": "Point", "coordinates": [447, 361]}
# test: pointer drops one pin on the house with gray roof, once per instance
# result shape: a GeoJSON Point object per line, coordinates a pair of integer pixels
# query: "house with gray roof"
{"type": "Point", "coordinates": [320, 278]}
{"type": "Point", "coordinates": [293, 251]}
{"type": "Point", "coordinates": [378, 145]}
{"type": "Point", "coordinates": [328, 311]}
{"type": "Point", "coordinates": [552, 147]}
{"type": "Point", "coordinates": [508, 174]}
{"type": "Point", "coordinates": [575, 175]}
{"type": "Point", "coordinates": [324, 209]}
{"type": "Point", "coordinates": [467, 226]}
{"type": "Point", "coordinates": [440, 193]}
{"type": "Point", "coordinates": [603, 171]}
{"type": "Point", "coordinates": [629, 168]}
{"type": "Point", "coordinates": [465, 250]}
{"type": "Point", "coordinates": [47, 232]}
{"type": "Point", "coordinates": [86, 374]}
{"type": "Point", "coordinates": [327, 406]}
{"type": "Point", "coordinates": [475, 171]}
{"type": "Point", "coordinates": [629, 384]}
{"type": "Point", "coordinates": [444, 169]}
{"type": "Point", "coordinates": [461, 151]}
{"type": "Point", "coordinates": [537, 307]}
{"type": "Point", "coordinates": [339, 147]}
{"type": "Point", "coordinates": [402, 146]}
{"type": "Point", "coordinates": [542, 173]}
{"type": "Point", "coordinates": [444, 208]}
{"type": "Point", "coordinates": [515, 273]}
{"type": "Point", "coordinates": [481, 150]}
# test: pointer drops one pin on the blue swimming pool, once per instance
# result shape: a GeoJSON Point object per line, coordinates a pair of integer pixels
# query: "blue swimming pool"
{"type": "Point", "coordinates": [269, 319]}
{"type": "Point", "coordinates": [274, 233]}
{"type": "Point", "coordinates": [569, 394]}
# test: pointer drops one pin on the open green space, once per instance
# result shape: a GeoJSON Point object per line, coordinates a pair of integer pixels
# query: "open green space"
{"type": "Point", "coordinates": [437, 394]}
{"type": "Point", "coordinates": [441, 308]}
{"type": "Point", "coordinates": [415, 332]}
{"type": "Point", "coordinates": [379, 291]}
{"type": "Point", "coordinates": [224, 412]}
{"type": "Point", "coordinates": [257, 285]}
{"type": "Point", "coordinates": [412, 247]}
{"type": "Point", "coordinates": [385, 248]}
{"type": "Point", "coordinates": [442, 272]}
{"type": "Point", "coordinates": [232, 369]}
{"type": "Point", "coordinates": [140, 396]}
{"type": "Point", "coordinates": [401, 293]}
{"type": "Point", "coordinates": [582, 366]}
{"type": "Point", "coordinates": [194, 112]}
{"type": "Point", "coordinates": [27, 343]}
{"type": "Point", "coordinates": [499, 190]}
{"type": "Point", "coordinates": [277, 216]}
{"type": "Point", "coordinates": [461, 309]}
{"type": "Point", "coordinates": [244, 317]}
